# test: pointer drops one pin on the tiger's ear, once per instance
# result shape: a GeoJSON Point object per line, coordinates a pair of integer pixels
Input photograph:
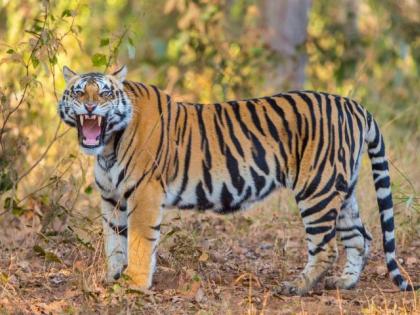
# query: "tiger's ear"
{"type": "Point", "coordinates": [68, 74]}
{"type": "Point", "coordinates": [120, 74]}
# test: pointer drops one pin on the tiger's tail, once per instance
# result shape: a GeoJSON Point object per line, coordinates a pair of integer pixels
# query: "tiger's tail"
{"type": "Point", "coordinates": [380, 170]}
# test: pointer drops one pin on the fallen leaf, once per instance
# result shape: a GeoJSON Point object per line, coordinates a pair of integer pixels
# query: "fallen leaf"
{"type": "Point", "coordinates": [411, 261]}
{"type": "Point", "coordinates": [199, 295]}
{"type": "Point", "coordinates": [204, 257]}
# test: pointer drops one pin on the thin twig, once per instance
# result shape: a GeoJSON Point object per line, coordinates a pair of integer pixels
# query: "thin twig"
{"type": "Point", "coordinates": [54, 139]}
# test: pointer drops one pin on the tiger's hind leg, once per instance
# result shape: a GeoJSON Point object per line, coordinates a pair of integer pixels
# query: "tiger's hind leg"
{"type": "Point", "coordinates": [319, 215]}
{"type": "Point", "coordinates": [356, 240]}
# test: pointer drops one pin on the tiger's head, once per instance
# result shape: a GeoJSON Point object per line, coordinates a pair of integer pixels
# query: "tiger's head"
{"type": "Point", "coordinates": [96, 105]}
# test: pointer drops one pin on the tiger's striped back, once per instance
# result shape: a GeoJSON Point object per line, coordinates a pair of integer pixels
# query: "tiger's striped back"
{"type": "Point", "coordinates": [228, 155]}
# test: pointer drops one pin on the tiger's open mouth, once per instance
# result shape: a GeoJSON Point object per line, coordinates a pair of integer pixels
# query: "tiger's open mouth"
{"type": "Point", "coordinates": [91, 130]}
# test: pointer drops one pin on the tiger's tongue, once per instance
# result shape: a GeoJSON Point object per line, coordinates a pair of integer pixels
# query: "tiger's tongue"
{"type": "Point", "coordinates": [91, 131]}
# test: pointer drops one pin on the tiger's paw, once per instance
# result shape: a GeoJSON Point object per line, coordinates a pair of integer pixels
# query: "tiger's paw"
{"type": "Point", "coordinates": [136, 280]}
{"type": "Point", "coordinates": [291, 288]}
{"type": "Point", "coordinates": [345, 283]}
{"type": "Point", "coordinates": [114, 272]}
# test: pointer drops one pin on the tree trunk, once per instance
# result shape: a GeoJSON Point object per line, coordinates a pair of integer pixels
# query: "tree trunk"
{"type": "Point", "coordinates": [286, 22]}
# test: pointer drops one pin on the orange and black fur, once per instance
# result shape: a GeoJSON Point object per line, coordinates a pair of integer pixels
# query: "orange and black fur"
{"type": "Point", "coordinates": [154, 153]}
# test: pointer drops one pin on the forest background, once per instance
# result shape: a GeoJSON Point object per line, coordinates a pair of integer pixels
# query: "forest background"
{"type": "Point", "coordinates": [199, 51]}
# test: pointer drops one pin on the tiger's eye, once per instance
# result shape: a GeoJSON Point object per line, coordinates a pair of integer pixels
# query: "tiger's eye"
{"type": "Point", "coordinates": [78, 93]}
{"type": "Point", "coordinates": [106, 94]}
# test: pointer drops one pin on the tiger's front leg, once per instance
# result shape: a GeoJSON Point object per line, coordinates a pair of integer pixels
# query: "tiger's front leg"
{"type": "Point", "coordinates": [144, 218]}
{"type": "Point", "coordinates": [114, 218]}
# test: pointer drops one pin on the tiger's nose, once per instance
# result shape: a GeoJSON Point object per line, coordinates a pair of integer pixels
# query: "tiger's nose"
{"type": "Point", "coordinates": [90, 107]}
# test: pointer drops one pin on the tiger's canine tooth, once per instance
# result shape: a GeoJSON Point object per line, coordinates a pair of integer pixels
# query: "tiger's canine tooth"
{"type": "Point", "coordinates": [81, 120]}
{"type": "Point", "coordinates": [99, 120]}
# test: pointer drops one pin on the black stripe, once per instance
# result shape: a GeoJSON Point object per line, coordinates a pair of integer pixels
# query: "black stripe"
{"type": "Point", "coordinates": [132, 90]}
{"type": "Point", "coordinates": [258, 154]}
{"type": "Point", "coordinates": [219, 112]}
{"type": "Point", "coordinates": [118, 229]}
{"type": "Point", "coordinates": [207, 177]}
{"type": "Point", "coordinates": [298, 161]}
{"type": "Point", "coordinates": [349, 237]}
{"type": "Point", "coordinates": [236, 111]}
{"type": "Point", "coordinates": [145, 88]}
{"type": "Point", "coordinates": [232, 165]}
{"type": "Point", "coordinates": [186, 169]}
{"type": "Point", "coordinates": [308, 102]}
{"type": "Point", "coordinates": [110, 201]}
{"type": "Point", "coordinates": [254, 116]}
{"type": "Point", "coordinates": [259, 181]}
{"type": "Point", "coordinates": [329, 216]}
{"type": "Point", "coordinates": [203, 133]}
{"type": "Point", "coordinates": [282, 115]}
{"type": "Point", "coordinates": [131, 211]}
{"type": "Point", "coordinates": [320, 144]}
{"type": "Point", "coordinates": [232, 135]}
{"type": "Point", "coordinates": [129, 191]}
{"type": "Point", "coordinates": [100, 186]}
{"type": "Point", "coordinates": [162, 128]}
{"type": "Point", "coordinates": [117, 140]}
{"type": "Point", "coordinates": [219, 135]}
{"type": "Point", "coordinates": [120, 177]}
{"type": "Point", "coordinates": [292, 103]}
{"type": "Point", "coordinates": [156, 227]}
{"type": "Point", "coordinates": [314, 230]}
{"type": "Point", "coordinates": [129, 143]}
{"type": "Point", "coordinates": [226, 198]}
{"type": "Point", "coordinates": [202, 202]}
{"type": "Point", "coordinates": [184, 129]}
{"type": "Point", "coordinates": [274, 133]}
{"type": "Point", "coordinates": [320, 247]}
{"type": "Point", "coordinates": [319, 206]}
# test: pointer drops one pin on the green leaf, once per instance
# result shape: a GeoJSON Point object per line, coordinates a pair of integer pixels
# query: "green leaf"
{"type": "Point", "coordinates": [116, 288]}
{"type": "Point", "coordinates": [39, 250]}
{"type": "Point", "coordinates": [53, 60]}
{"type": "Point", "coordinates": [88, 190]}
{"type": "Point", "coordinates": [99, 60]}
{"type": "Point", "coordinates": [6, 183]}
{"type": "Point", "coordinates": [10, 51]}
{"type": "Point", "coordinates": [18, 211]}
{"type": "Point", "coordinates": [38, 28]}
{"type": "Point", "coordinates": [4, 278]}
{"type": "Point", "coordinates": [49, 256]}
{"type": "Point", "coordinates": [8, 202]}
{"type": "Point", "coordinates": [66, 12]}
{"type": "Point", "coordinates": [104, 42]}
{"type": "Point", "coordinates": [35, 61]}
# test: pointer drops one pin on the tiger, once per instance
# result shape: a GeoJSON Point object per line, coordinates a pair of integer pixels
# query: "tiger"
{"type": "Point", "coordinates": [154, 153]}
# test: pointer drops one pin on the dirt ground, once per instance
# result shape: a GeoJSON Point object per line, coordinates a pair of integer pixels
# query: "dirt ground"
{"type": "Point", "coordinates": [207, 264]}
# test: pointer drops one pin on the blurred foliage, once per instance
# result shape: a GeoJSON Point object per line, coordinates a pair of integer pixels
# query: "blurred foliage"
{"type": "Point", "coordinates": [378, 62]}
{"type": "Point", "coordinates": [202, 50]}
